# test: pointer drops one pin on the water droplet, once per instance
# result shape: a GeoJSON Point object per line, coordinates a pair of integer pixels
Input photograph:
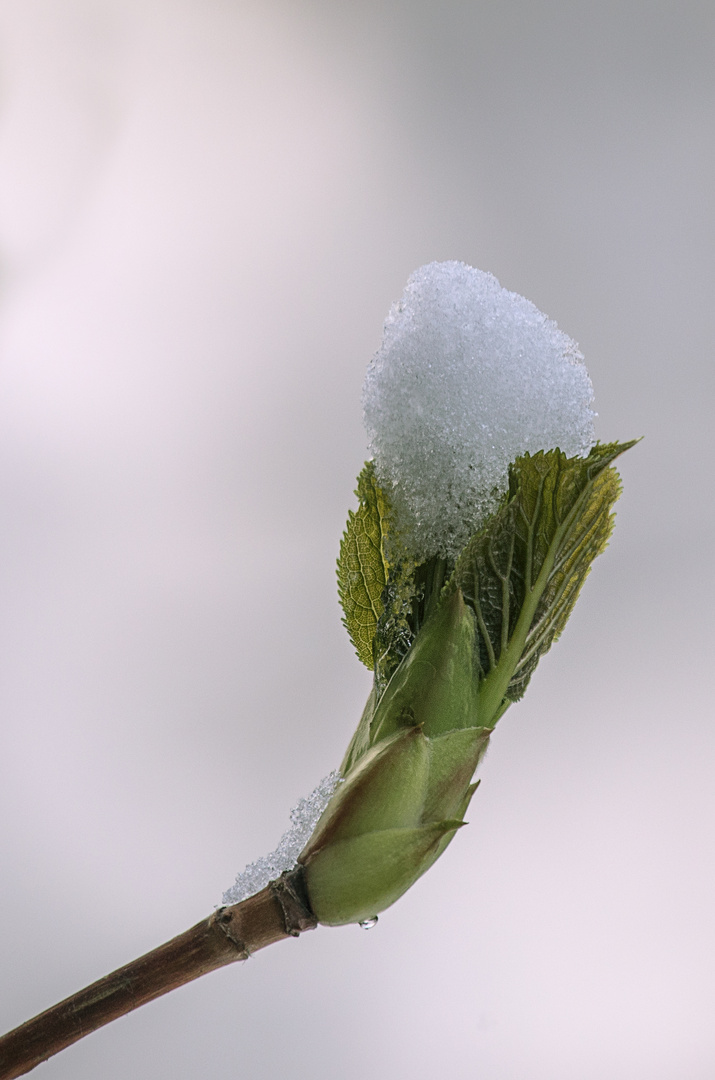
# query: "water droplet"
{"type": "Point", "coordinates": [367, 924]}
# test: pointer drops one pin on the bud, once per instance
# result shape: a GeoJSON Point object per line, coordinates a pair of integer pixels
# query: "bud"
{"type": "Point", "coordinates": [354, 880]}
{"type": "Point", "coordinates": [437, 683]}
{"type": "Point", "coordinates": [404, 798]}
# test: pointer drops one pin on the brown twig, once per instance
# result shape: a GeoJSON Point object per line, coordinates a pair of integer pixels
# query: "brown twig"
{"type": "Point", "coordinates": [279, 911]}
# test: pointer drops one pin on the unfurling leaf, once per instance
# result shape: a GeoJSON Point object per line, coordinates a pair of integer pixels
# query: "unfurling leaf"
{"type": "Point", "coordinates": [522, 573]}
{"type": "Point", "coordinates": [362, 565]}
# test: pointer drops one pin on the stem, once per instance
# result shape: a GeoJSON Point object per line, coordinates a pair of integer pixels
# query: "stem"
{"type": "Point", "coordinates": [232, 933]}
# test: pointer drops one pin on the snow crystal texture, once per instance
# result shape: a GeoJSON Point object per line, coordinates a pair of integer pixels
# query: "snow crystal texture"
{"type": "Point", "coordinates": [468, 377]}
{"type": "Point", "coordinates": [304, 817]}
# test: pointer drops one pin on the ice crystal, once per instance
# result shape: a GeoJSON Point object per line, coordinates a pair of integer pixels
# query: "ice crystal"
{"type": "Point", "coordinates": [304, 817]}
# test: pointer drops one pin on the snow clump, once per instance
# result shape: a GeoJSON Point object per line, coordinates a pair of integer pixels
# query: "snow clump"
{"type": "Point", "coordinates": [468, 377]}
{"type": "Point", "coordinates": [304, 817]}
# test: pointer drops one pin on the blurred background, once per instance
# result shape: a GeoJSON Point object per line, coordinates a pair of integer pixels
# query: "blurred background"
{"type": "Point", "coordinates": [206, 210]}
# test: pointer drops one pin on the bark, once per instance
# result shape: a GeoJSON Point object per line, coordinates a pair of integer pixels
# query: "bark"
{"type": "Point", "coordinates": [232, 933]}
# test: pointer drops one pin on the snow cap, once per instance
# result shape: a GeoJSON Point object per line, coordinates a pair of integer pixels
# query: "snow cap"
{"type": "Point", "coordinates": [469, 376]}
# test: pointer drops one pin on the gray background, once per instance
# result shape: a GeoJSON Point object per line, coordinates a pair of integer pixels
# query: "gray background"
{"type": "Point", "coordinates": [206, 209]}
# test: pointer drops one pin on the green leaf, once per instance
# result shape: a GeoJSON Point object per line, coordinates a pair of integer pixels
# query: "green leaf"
{"type": "Point", "coordinates": [411, 596]}
{"type": "Point", "coordinates": [362, 565]}
{"type": "Point", "coordinates": [523, 571]}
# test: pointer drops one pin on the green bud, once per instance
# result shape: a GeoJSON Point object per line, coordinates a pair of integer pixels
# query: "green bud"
{"type": "Point", "coordinates": [385, 790]}
{"type": "Point", "coordinates": [407, 776]}
{"type": "Point", "coordinates": [437, 683]}
{"type": "Point", "coordinates": [360, 742]}
{"type": "Point", "coordinates": [393, 815]}
{"type": "Point", "coordinates": [353, 880]}
{"type": "Point", "coordinates": [454, 758]}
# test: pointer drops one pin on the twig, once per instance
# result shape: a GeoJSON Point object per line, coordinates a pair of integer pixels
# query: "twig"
{"type": "Point", "coordinates": [232, 933]}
